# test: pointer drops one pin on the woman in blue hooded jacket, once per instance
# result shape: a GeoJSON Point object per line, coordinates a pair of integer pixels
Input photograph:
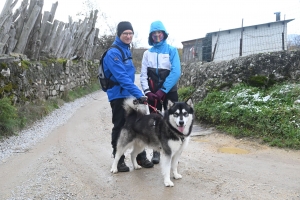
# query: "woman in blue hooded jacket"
{"type": "Point", "coordinates": [122, 72]}
{"type": "Point", "coordinates": [160, 71]}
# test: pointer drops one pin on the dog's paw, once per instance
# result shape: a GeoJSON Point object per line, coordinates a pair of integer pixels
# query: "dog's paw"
{"type": "Point", "coordinates": [169, 183]}
{"type": "Point", "coordinates": [137, 167]}
{"type": "Point", "coordinates": [177, 176]}
{"type": "Point", "coordinates": [114, 170]}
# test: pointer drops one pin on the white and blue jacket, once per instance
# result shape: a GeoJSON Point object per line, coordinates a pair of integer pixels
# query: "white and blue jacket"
{"type": "Point", "coordinates": [160, 65]}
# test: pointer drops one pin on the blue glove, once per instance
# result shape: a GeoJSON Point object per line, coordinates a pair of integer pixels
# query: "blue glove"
{"type": "Point", "coordinates": [160, 95]}
{"type": "Point", "coordinates": [151, 96]}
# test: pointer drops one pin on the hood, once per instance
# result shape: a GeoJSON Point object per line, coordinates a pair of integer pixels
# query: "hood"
{"type": "Point", "coordinates": [157, 26]}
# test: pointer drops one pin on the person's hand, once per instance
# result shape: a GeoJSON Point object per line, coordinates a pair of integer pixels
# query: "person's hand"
{"type": "Point", "coordinates": [142, 100]}
{"type": "Point", "coordinates": [151, 96]}
{"type": "Point", "coordinates": [160, 95]}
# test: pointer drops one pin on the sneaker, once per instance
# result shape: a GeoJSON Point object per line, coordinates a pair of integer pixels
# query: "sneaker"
{"type": "Point", "coordinates": [122, 167]}
{"type": "Point", "coordinates": [156, 157]}
{"type": "Point", "coordinates": [145, 163]}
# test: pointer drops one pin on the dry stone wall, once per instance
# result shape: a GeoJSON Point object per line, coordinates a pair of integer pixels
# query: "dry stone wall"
{"type": "Point", "coordinates": [278, 66]}
{"type": "Point", "coordinates": [30, 81]}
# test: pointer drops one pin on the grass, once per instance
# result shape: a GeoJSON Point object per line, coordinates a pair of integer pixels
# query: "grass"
{"type": "Point", "coordinates": [268, 114]}
{"type": "Point", "coordinates": [8, 117]}
{"type": "Point", "coordinates": [16, 118]}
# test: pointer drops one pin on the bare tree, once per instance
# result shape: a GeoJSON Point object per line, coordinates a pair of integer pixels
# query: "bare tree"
{"type": "Point", "coordinates": [293, 42]}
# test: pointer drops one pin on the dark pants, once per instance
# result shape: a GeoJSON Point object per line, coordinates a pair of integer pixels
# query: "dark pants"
{"type": "Point", "coordinates": [118, 120]}
{"type": "Point", "coordinates": [172, 96]}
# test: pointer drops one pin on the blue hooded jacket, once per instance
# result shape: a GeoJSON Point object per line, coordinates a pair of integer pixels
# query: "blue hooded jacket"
{"type": "Point", "coordinates": [122, 72]}
{"type": "Point", "coordinates": [160, 64]}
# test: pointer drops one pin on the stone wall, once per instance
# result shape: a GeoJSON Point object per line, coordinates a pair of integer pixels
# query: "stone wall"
{"type": "Point", "coordinates": [278, 66]}
{"type": "Point", "coordinates": [50, 79]}
{"type": "Point", "coordinates": [24, 81]}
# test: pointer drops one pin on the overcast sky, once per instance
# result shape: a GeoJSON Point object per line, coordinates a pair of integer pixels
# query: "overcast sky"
{"type": "Point", "coordinates": [183, 19]}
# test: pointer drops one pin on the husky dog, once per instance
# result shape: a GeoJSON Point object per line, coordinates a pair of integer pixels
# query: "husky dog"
{"type": "Point", "coordinates": [168, 133]}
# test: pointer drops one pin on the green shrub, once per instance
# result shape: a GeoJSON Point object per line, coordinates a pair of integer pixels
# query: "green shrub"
{"type": "Point", "coordinates": [8, 117]}
{"type": "Point", "coordinates": [185, 93]}
{"type": "Point", "coordinates": [269, 114]}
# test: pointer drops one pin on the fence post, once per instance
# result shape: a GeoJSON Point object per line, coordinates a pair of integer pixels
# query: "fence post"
{"type": "Point", "coordinates": [282, 40]}
{"type": "Point", "coordinates": [282, 35]}
{"type": "Point", "coordinates": [241, 40]}
{"type": "Point", "coordinates": [215, 47]}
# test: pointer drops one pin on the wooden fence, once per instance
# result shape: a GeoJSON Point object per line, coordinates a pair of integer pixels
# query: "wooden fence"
{"type": "Point", "coordinates": [28, 31]}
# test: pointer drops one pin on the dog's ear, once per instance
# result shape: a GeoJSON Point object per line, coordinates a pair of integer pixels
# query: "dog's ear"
{"type": "Point", "coordinates": [170, 104]}
{"type": "Point", "coordinates": [189, 102]}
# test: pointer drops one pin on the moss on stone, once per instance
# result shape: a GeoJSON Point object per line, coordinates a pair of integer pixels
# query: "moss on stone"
{"type": "Point", "coordinates": [25, 64]}
{"type": "Point", "coordinates": [62, 61]}
{"type": "Point", "coordinates": [224, 85]}
{"type": "Point", "coordinates": [7, 88]}
{"type": "Point", "coordinates": [43, 63]}
{"type": "Point", "coordinates": [3, 65]}
{"type": "Point", "coordinates": [261, 81]}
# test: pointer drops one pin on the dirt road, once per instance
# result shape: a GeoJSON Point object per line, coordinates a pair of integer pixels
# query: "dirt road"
{"type": "Point", "coordinates": [74, 162]}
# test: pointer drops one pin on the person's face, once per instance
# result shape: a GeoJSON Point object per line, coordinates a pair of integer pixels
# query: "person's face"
{"type": "Point", "coordinates": [126, 36]}
{"type": "Point", "coordinates": [157, 36]}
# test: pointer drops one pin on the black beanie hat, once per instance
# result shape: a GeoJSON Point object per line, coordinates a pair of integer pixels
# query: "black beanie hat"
{"type": "Point", "coordinates": [122, 26]}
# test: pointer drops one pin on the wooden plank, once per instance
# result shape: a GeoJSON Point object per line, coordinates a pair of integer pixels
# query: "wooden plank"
{"type": "Point", "coordinates": [6, 10]}
{"type": "Point", "coordinates": [46, 18]}
{"type": "Point", "coordinates": [33, 44]}
{"type": "Point", "coordinates": [3, 44]}
{"type": "Point", "coordinates": [46, 32]}
{"type": "Point", "coordinates": [90, 45]}
{"type": "Point", "coordinates": [71, 45]}
{"type": "Point", "coordinates": [31, 5]}
{"type": "Point", "coordinates": [58, 38]}
{"type": "Point", "coordinates": [65, 34]}
{"type": "Point", "coordinates": [12, 40]}
{"type": "Point", "coordinates": [53, 11]}
{"type": "Point", "coordinates": [21, 20]}
{"type": "Point", "coordinates": [27, 29]}
{"type": "Point", "coordinates": [31, 31]}
{"type": "Point", "coordinates": [6, 26]}
{"type": "Point", "coordinates": [80, 40]}
{"type": "Point", "coordinates": [49, 41]}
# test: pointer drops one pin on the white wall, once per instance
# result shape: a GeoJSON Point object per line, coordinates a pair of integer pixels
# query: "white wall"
{"type": "Point", "coordinates": [256, 39]}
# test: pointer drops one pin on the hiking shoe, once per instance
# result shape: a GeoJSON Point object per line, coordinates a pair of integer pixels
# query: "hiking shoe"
{"type": "Point", "coordinates": [145, 163]}
{"type": "Point", "coordinates": [122, 167]}
{"type": "Point", "coordinates": [156, 157]}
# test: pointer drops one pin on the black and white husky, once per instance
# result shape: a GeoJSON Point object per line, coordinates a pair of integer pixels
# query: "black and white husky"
{"type": "Point", "coordinates": [168, 134]}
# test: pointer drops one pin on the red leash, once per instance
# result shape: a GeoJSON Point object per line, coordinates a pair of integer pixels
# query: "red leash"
{"type": "Point", "coordinates": [154, 108]}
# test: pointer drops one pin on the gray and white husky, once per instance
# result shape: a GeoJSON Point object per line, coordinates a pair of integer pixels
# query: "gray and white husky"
{"type": "Point", "coordinates": [168, 133]}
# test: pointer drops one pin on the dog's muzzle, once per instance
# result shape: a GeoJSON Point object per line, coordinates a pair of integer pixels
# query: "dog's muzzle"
{"type": "Point", "coordinates": [181, 126]}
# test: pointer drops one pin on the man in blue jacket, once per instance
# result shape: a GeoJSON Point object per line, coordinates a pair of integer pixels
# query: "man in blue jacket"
{"type": "Point", "coordinates": [123, 73]}
{"type": "Point", "coordinates": [160, 71]}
